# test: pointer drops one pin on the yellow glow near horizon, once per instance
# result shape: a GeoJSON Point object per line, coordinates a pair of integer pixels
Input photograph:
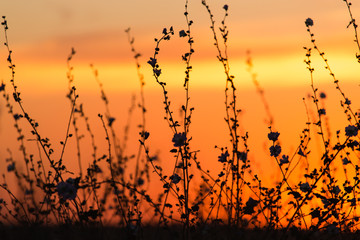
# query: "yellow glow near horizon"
{"type": "Point", "coordinates": [282, 71]}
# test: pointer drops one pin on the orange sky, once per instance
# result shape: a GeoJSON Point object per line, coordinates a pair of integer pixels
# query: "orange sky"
{"type": "Point", "coordinates": [42, 32]}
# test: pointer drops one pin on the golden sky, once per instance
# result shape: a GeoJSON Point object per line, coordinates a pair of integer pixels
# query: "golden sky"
{"type": "Point", "coordinates": [42, 32]}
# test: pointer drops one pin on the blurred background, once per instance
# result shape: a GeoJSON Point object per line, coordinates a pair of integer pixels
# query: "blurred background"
{"type": "Point", "coordinates": [42, 32]}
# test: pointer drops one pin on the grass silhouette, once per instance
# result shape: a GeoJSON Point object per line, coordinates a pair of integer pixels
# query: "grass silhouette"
{"type": "Point", "coordinates": [109, 197]}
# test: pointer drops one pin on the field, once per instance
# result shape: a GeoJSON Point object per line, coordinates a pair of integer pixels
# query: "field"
{"type": "Point", "coordinates": [101, 182]}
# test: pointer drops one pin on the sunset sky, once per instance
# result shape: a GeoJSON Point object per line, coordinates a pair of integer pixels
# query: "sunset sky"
{"type": "Point", "coordinates": [42, 32]}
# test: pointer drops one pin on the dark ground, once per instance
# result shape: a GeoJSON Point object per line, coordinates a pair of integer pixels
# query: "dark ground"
{"type": "Point", "coordinates": [173, 233]}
